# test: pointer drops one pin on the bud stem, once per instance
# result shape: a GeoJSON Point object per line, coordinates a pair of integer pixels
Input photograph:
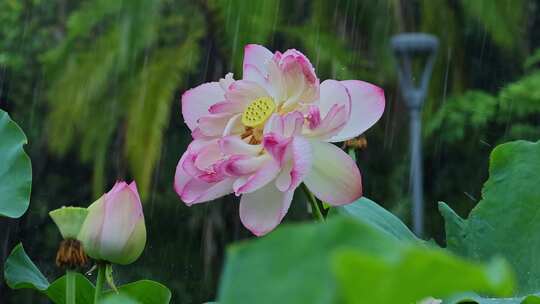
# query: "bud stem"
{"type": "Point", "coordinates": [70, 287]}
{"type": "Point", "coordinates": [352, 153]}
{"type": "Point", "coordinates": [99, 282]}
{"type": "Point", "coordinates": [315, 209]}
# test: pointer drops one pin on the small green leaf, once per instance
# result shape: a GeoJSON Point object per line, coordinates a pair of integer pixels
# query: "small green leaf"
{"type": "Point", "coordinates": [414, 273]}
{"type": "Point", "coordinates": [15, 169]}
{"type": "Point", "coordinates": [369, 212]}
{"type": "Point", "coordinates": [143, 292]}
{"type": "Point", "coordinates": [84, 290]}
{"type": "Point", "coordinates": [69, 220]}
{"type": "Point", "coordinates": [20, 272]}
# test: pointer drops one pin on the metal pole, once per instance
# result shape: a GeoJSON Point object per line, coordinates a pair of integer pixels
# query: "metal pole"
{"type": "Point", "coordinates": [416, 178]}
{"type": "Point", "coordinates": [406, 47]}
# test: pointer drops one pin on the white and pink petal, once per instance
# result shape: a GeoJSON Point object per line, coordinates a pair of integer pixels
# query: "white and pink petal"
{"type": "Point", "coordinates": [196, 191]}
{"type": "Point", "coordinates": [231, 145]}
{"type": "Point", "coordinates": [296, 166]}
{"type": "Point", "coordinates": [333, 92]}
{"type": "Point", "coordinates": [367, 107]}
{"type": "Point", "coordinates": [264, 175]}
{"type": "Point", "coordinates": [213, 125]}
{"type": "Point", "coordinates": [287, 125]}
{"type": "Point", "coordinates": [256, 56]}
{"type": "Point", "coordinates": [242, 165]}
{"type": "Point", "coordinates": [244, 92]}
{"type": "Point", "coordinates": [263, 210]}
{"type": "Point", "coordinates": [226, 82]}
{"type": "Point", "coordinates": [276, 145]}
{"type": "Point", "coordinates": [197, 101]}
{"type": "Point", "coordinates": [234, 126]}
{"type": "Point", "coordinates": [227, 106]}
{"type": "Point", "coordinates": [252, 73]}
{"type": "Point", "coordinates": [199, 176]}
{"type": "Point", "coordinates": [334, 177]}
{"type": "Point", "coordinates": [298, 79]}
{"type": "Point", "coordinates": [330, 125]}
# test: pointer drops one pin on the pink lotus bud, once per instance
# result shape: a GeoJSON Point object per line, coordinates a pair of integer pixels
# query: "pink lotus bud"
{"type": "Point", "coordinates": [114, 230]}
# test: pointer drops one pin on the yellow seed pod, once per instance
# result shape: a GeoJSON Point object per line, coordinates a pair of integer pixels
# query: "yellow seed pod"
{"type": "Point", "coordinates": [258, 112]}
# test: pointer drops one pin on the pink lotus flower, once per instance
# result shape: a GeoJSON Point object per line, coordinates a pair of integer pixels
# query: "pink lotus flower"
{"type": "Point", "coordinates": [260, 137]}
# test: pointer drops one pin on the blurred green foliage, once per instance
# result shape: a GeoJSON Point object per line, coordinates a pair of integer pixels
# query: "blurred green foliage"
{"type": "Point", "coordinates": [118, 67]}
{"type": "Point", "coordinates": [95, 85]}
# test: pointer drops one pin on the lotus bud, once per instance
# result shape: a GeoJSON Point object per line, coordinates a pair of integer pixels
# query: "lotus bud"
{"type": "Point", "coordinates": [114, 230]}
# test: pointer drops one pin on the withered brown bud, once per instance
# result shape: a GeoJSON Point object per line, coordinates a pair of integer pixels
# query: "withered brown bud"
{"type": "Point", "coordinates": [71, 255]}
{"type": "Point", "coordinates": [358, 143]}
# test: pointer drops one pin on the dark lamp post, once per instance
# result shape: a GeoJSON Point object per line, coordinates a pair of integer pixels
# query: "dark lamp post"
{"type": "Point", "coordinates": [407, 48]}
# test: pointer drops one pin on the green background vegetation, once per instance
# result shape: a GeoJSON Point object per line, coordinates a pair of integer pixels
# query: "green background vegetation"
{"type": "Point", "coordinates": [96, 84]}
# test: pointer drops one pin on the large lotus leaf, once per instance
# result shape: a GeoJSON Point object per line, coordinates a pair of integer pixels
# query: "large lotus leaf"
{"type": "Point", "coordinates": [468, 298]}
{"type": "Point", "coordinates": [371, 213]}
{"type": "Point", "coordinates": [15, 169]}
{"type": "Point", "coordinates": [118, 299]}
{"type": "Point", "coordinates": [506, 222]}
{"type": "Point", "coordinates": [415, 273]}
{"type": "Point", "coordinates": [143, 292]}
{"type": "Point", "coordinates": [84, 290]}
{"type": "Point", "coordinates": [294, 264]}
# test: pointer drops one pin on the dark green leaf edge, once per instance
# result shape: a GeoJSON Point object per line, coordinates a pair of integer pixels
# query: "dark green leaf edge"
{"type": "Point", "coordinates": [6, 121]}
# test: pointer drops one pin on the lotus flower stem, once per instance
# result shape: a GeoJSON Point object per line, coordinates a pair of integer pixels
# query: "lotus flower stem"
{"type": "Point", "coordinates": [99, 282]}
{"type": "Point", "coordinates": [352, 153]}
{"type": "Point", "coordinates": [315, 209]}
{"type": "Point", "coordinates": [70, 287]}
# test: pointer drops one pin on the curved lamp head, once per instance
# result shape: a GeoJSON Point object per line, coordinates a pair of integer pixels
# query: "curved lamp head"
{"type": "Point", "coordinates": [414, 43]}
{"type": "Point", "coordinates": [409, 46]}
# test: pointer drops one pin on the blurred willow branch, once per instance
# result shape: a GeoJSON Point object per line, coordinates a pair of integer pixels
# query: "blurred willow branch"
{"type": "Point", "coordinates": [114, 77]}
